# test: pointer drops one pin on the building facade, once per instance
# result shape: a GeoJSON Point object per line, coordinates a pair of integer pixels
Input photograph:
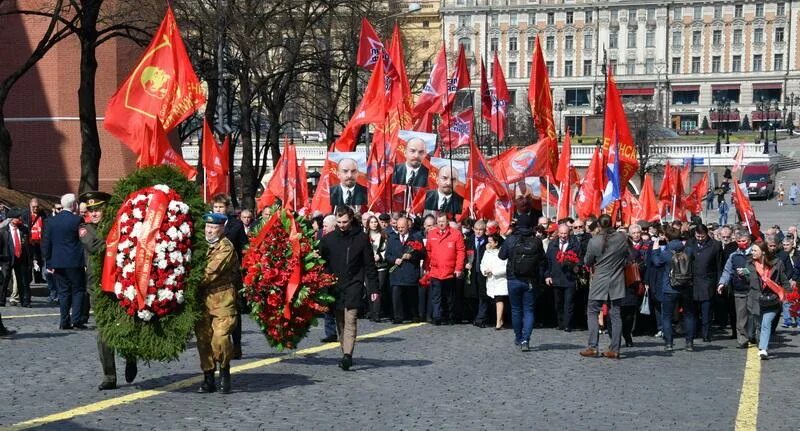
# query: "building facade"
{"type": "Point", "coordinates": [680, 58]}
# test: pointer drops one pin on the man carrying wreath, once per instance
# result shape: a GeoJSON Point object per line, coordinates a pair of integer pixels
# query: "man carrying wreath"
{"type": "Point", "coordinates": [218, 299]}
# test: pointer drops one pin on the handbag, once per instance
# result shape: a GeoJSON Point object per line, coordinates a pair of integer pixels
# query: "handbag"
{"type": "Point", "coordinates": [645, 307]}
{"type": "Point", "coordinates": [768, 298]}
{"type": "Point", "coordinates": [632, 274]}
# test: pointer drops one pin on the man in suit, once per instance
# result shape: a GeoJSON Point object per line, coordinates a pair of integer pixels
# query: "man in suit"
{"type": "Point", "coordinates": [15, 257]}
{"type": "Point", "coordinates": [561, 277]}
{"type": "Point", "coordinates": [34, 218]}
{"type": "Point", "coordinates": [63, 253]}
{"type": "Point", "coordinates": [94, 244]}
{"type": "Point", "coordinates": [404, 279]}
{"type": "Point", "coordinates": [348, 192]}
{"type": "Point", "coordinates": [235, 232]}
{"type": "Point", "coordinates": [476, 247]}
{"type": "Point", "coordinates": [444, 199]}
{"type": "Point", "coordinates": [412, 173]}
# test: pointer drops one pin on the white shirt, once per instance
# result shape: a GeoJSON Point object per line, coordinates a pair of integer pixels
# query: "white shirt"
{"type": "Point", "coordinates": [443, 197]}
{"type": "Point", "coordinates": [411, 171]}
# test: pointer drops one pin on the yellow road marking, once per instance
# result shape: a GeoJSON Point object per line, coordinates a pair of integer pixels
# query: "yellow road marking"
{"type": "Point", "coordinates": [140, 395]}
{"type": "Point", "coordinates": [747, 415]}
{"type": "Point", "coordinates": [21, 316]}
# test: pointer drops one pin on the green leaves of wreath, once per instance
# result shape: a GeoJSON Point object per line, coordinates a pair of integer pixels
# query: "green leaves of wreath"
{"type": "Point", "coordinates": [163, 339]}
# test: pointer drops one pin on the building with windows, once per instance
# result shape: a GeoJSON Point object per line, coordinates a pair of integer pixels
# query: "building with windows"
{"type": "Point", "coordinates": [681, 58]}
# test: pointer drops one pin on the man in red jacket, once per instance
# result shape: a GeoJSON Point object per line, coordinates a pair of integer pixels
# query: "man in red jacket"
{"type": "Point", "coordinates": [445, 247]}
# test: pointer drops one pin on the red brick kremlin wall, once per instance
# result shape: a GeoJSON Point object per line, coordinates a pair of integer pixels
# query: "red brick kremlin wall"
{"type": "Point", "coordinates": [42, 109]}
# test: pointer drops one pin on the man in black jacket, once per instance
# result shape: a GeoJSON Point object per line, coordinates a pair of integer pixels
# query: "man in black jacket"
{"type": "Point", "coordinates": [475, 243]}
{"type": "Point", "coordinates": [15, 257]}
{"type": "Point", "coordinates": [348, 255]}
{"type": "Point", "coordinates": [560, 275]}
{"type": "Point", "coordinates": [404, 279]}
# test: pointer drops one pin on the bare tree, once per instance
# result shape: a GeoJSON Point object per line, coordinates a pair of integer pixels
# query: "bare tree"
{"type": "Point", "coordinates": [643, 123]}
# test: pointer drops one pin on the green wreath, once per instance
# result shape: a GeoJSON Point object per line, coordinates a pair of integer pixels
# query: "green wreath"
{"type": "Point", "coordinates": [166, 338]}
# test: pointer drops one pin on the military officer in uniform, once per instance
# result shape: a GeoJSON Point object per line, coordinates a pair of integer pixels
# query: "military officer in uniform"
{"type": "Point", "coordinates": [94, 244]}
{"type": "Point", "coordinates": [218, 296]}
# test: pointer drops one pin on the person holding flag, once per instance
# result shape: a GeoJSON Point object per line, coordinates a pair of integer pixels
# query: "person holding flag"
{"type": "Point", "coordinates": [612, 193]}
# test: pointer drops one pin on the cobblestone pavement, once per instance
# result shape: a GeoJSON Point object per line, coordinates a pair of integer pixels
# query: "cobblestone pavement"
{"type": "Point", "coordinates": [422, 377]}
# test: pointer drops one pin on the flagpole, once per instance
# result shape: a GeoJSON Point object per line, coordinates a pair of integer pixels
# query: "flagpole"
{"type": "Point", "coordinates": [674, 205]}
{"type": "Point", "coordinates": [547, 198]}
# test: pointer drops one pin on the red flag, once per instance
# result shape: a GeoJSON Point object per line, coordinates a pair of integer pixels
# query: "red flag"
{"type": "Point", "coordinates": [745, 210]}
{"type": "Point", "coordinates": [481, 173]}
{"type": "Point", "coordinates": [668, 188]}
{"type": "Point", "coordinates": [302, 186]}
{"type": "Point", "coordinates": [502, 213]}
{"type": "Point", "coordinates": [617, 124]}
{"type": "Point", "coordinates": [322, 196]}
{"type": "Point", "coordinates": [531, 161]}
{"type": "Point", "coordinates": [738, 158]}
{"type": "Point", "coordinates": [284, 181]}
{"type": "Point", "coordinates": [432, 98]}
{"type": "Point", "coordinates": [694, 202]}
{"type": "Point", "coordinates": [486, 96]}
{"type": "Point", "coordinates": [162, 86]}
{"type": "Point", "coordinates": [214, 164]}
{"type": "Point", "coordinates": [372, 109]}
{"type": "Point", "coordinates": [500, 98]}
{"type": "Point", "coordinates": [565, 160]}
{"type": "Point", "coordinates": [377, 180]}
{"type": "Point", "coordinates": [631, 208]}
{"type": "Point", "coordinates": [648, 205]}
{"type": "Point", "coordinates": [564, 200]}
{"type": "Point", "coordinates": [402, 102]}
{"type": "Point", "coordinates": [460, 78]}
{"type": "Point", "coordinates": [541, 102]}
{"type": "Point", "coordinates": [686, 175]}
{"type": "Point", "coordinates": [158, 151]}
{"type": "Point", "coordinates": [370, 47]}
{"type": "Point", "coordinates": [590, 191]}
{"type": "Point", "coordinates": [456, 130]}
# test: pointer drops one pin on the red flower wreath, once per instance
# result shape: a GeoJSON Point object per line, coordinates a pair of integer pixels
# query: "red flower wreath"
{"type": "Point", "coordinates": [284, 282]}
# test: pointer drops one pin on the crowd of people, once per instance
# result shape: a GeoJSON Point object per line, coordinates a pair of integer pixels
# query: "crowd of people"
{"type": "Point", "coordinates": [668, 280]}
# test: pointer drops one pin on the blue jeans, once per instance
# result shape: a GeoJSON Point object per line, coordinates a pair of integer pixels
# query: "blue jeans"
{"type": "Point", "coordinates": [766, 328]}
{"type": "Point", "coordinates": [723, 218]}
{"type": "Point", "coordinates": [787, 315]}
{"type": "Point", "coordinates": [668, 310]}
{"type": "Point", "coordinates": [521, 295]}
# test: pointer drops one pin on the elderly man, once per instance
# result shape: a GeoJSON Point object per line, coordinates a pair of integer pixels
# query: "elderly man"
{"type": "Point", "coordinates": [560, 275]}
{"type": "Point", "coordinates": [348, 192]}
{"type": "Point", "coordinates": [736, 277]}
{"type": "Point", "coordinates": [15, 257]}
{"type": "Point", "coordinates": [34, 218]}
{"type": "Point", "coordinates": [446, 255]}
{"type": "Point", "coordinates": [444, 199]}
{"type": "Point", "coordinates": [217, 294]}
{"type": "Point", "coordinates": [248, 221]}
{"type": "Point", "coordinates": [412, 172]}
{"type": "Point", "coordinates": [404, 280]}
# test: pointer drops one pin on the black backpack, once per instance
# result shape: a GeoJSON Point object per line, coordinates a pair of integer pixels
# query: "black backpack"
{"type": "Point", "coordinates": [680, 273]}
{"type": "Point", "coordinates": [524, 258]}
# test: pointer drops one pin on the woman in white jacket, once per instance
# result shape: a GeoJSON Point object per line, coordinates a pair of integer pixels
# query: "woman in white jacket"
{"type": "Point", "coordinates": [494, 269]}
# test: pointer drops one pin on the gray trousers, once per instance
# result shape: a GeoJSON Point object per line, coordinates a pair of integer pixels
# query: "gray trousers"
{"type": "Point", "coordinates": [107, 360]}
{"type": "Point", "coordinates": [593, 309]}
{"type": "Point", "coordinates": [744, 320]}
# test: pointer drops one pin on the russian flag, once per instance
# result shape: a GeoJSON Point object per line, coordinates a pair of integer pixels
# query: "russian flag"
{"type": "Point", "coordinates": [612, 191]}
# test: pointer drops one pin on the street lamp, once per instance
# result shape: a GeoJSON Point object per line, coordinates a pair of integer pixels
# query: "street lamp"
{"type": "Point", "coordinates": [723, 107]}
{"type": "Point", "coordinates": [559, 108]}
{"type": "Point", "coordinates": [777, 110]}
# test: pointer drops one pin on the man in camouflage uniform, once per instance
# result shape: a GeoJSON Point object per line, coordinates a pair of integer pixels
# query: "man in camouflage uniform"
{"type": "Point", "coordinates": [94, 244]}
{"type": "Point", "coordinates": [218, 296]}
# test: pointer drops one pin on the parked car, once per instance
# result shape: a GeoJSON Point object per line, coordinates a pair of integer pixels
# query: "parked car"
{"type": "Point", "coordinates": [759, 178]}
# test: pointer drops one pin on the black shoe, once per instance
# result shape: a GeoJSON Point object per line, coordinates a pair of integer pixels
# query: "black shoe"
{"type": "Point", "coordinates": [628, 343]}
{"type": "Point", "coordinates": [6, 332]}
{"type": "Point", "coordinates": [480, 325]}
{"type": "Point", "coordinates": [346, 362]}
{"type": "Point", "coordinates": [208, 385]}
{"type": "Point", "coordinates": [567, 329]}
{"type": "Point", "coordinates": [237, 351]}
{"type": "Point", "coordinates": [706, 339]}
{"type": "Point", "coordinates": [105, 386]}
{"type": "Point", "coordinates": [225, 380]}
{"type": "Point", "coordinates": [65, 328]}
{"type": "Point", "coordinates": [397, 322]}
{"type": "Point", "coordinates": [329, 339]}
{"type": "Point", "coordinates": [26, 305]}
{"type": "Point", "coordinates": [80, 327]}
{"type": "Point", "coordinates": [437, 323]}
{"type": "Point", "coordinates": [130, 370]}
{"type": "Point", "coordinates": [742, 345]}
{"type": "Point", "coordinates": [2, 304]}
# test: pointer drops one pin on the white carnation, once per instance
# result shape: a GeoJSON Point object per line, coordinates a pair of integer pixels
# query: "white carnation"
{"type": "Point", "coordinates": [137, 229]}
{"type": "Point", "coordinates": [184, 208]}
{"type": "Point", "coordinates": [118, 288]}
{"type": "Point", "coordinates": [124, 217]}
{"type": "Point", "coordinates": [138, 214]}
{"type": "Point", "coordinates": [176, 256]}
{"type": "Point", "coordinates": [179, 296]}
{"type": "Point", "coordinates": [132, 253]}
{"type": "Point", "coordinates": [179, 270]}
{"type": "Point", "coordinates": [129, 268]}
{"type": "Point", "coordinates": [172, 218]}
{"type": "Point", "coordinates": [162, 264]}
{"type": "Point", "coordinates": [145, 315]}
{"type": "Point", "coordinates": [172, 232]}
{"type": "Point", "coordinates": [172, 245]}
{"type": "Point", "coordinates": [170, 281]}
{"type": "Point", "coordinates": [163, 187]}
{"type": "Point", "coordinates": [120, 260]}
{"type": "Point", "coordinates": [130, 292]}
{"type": "Point", "coordinates": [148, 300]}
{"type": "Point", "coordinates": [138, 199]}
{"type": "Point", "coordinates": [187, 257]}
{"type": "Point", "coordinates": [165, 294]}
{"type": "Point", "coordinates": [185, 228]}
{"type": "Point", "coordinates": [174, 206]}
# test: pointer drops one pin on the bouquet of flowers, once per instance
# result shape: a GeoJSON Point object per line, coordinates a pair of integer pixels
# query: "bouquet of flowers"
{"type": "Point", "coordinates": [568, 259]}
{"type": "Point", "coordinates": [284, 282]}
{"type": "Point", "coordinates": [410, 248]}
{"type": "Point", "coordinates": [145, 303]}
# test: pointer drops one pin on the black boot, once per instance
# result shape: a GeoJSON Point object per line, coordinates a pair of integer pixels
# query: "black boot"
{"type": "Point", "coordinates": [346, 362]}
{"type": "Point", "coordinates": [208, 385]}
{"type": "Point", "coordinates": [130, 370]}
{"type": "Point", "coordinates": [225, 380]}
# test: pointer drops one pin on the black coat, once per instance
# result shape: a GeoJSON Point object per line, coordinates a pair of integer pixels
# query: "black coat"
{"type": "Point", "coordinates": [359, 195]}
{"type": "Point", "coordinates": [7, 256]}
{"type": "Point", "coordinates": [562, 274]}
{"type": "Point", "coordinates": [348, 255]}
{"type": "Point", "coordinates": [234, 231]}
{"type": "Point", "coordinates": [477, 281]}
{"type": "Point", "coordinates": [707, 266]}
{"type": "Point", "coordinates": [408, 273]}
